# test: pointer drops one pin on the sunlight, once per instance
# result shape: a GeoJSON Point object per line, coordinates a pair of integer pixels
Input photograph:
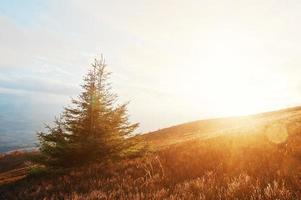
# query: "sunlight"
{"type": "Point", "coordinates": [227, 80]}
{"type": "Point", "coordinates": [277, 133]}
{"type": "Point", "coordinates": [145, 99]}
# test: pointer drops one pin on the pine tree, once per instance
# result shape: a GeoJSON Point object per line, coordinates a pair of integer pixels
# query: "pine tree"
{"type": "Point", "coordinates": [92, 128]}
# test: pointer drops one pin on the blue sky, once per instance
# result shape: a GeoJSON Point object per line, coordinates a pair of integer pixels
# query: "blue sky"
{"type": "Point", "coordinates": [175, 61]}
{"type": "Point", "coordinates": [22, 12]}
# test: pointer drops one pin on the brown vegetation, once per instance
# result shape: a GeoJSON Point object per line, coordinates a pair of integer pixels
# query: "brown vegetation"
{"type": "Point", "coordinates": [240, 165]}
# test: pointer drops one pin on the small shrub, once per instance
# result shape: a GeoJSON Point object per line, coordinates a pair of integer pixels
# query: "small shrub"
{"type": "Point", "coordinates": [37, 171]}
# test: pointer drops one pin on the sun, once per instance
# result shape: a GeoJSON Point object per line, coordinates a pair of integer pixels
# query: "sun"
{"type": "Point", "coordinates": [230, 78]}
{"type": "Point", "coordinates": [224, 82]}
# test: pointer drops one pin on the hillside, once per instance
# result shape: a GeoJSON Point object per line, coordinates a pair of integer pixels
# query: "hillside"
{"type": "Point", "coordinates": [204, 129]}
{"type": "Point", "coordinates": [251, 157]}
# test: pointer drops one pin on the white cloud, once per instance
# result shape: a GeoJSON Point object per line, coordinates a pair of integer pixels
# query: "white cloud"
{"type": "Point", "coordinates": [163, 52]}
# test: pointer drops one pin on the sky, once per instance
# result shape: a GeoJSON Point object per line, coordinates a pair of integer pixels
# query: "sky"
{"type": "Point", "coordinates": [175, 61]}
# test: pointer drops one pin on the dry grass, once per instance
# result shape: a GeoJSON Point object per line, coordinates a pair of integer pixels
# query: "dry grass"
{"type": "Point", "coordinates": [240, 163]}
{"type": "Point", "coordinates": [241, 166]}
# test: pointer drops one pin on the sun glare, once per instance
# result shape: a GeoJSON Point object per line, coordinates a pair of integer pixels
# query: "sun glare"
{"type": "Point", "coordinates": [227, 80]}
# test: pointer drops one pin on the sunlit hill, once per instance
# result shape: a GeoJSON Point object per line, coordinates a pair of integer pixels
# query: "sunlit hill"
{"type": "Point", "coordinates": [251, 157]}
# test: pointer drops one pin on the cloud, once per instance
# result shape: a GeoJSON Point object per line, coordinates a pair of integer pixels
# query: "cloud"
{"type": "Point", "coordinates": [37, 84]}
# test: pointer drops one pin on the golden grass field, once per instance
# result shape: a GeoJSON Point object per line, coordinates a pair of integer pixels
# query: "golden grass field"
{"type": "Point", "coordinates": [256, 157]}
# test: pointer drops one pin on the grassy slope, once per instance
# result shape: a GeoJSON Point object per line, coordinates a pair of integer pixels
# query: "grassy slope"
{"type": "Point", "coordinates": [230, 157]}
{"type": "Point", "coordinates": [205, 129]}
{"type": "Point", "coordinates": [13, 167]}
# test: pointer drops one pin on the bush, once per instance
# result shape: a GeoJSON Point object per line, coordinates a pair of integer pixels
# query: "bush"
{"type": "Point", "coordinates": [37, 171]}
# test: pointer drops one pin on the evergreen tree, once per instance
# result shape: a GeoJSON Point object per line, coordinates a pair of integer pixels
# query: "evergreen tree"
{"type": "Point", "coordinates": [93, 128]}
